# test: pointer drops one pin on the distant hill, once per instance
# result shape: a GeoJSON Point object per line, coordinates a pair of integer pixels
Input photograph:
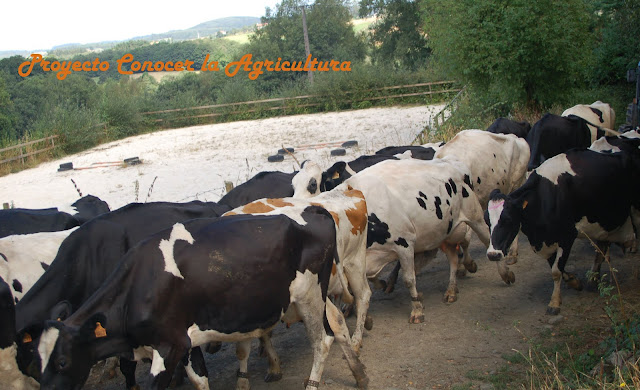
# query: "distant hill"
{"type": "Point", "coordinates": [205, 29]}
{"type": "Point", "coordinates": [212, 27]}
{"type": "Point", "coordinates": [11, 53]}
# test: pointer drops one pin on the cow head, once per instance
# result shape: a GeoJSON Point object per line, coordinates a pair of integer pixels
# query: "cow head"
{"type": "Point", "coordinates": [88, 207]}
{"type": "Point", "coordinates": [504, 216]}
{"type": "Point", "coordinates": [335, 175]}
{"type": "Point", "coordinates": [306, 183]}
{"type": "Point", "coordinates": [67, 354]}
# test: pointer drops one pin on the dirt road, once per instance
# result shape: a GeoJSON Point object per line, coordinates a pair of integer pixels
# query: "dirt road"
{"type": "Point", "coordinates": [489, 320]}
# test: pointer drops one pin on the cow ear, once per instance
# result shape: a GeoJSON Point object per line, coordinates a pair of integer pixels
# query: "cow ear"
{"type": "Point", "coordinates": [60, 311]}
{"type": "Point", "coordinates": [95, 327]}
{"type": "Point", "coordinates": [30, 333]}
{"type": "Point", "coordinates": [340, 167]}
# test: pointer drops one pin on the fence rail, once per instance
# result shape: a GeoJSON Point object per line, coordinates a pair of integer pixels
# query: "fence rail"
{"type": "Point", "coordinates": [297, 102]}
{"type": "Point", "coordinates": [24, 152]}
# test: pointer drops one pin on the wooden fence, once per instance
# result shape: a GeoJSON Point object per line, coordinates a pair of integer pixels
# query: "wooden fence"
{"type": "Point", "coordinates": [27, 149]}
{"type": "Point", "coordinates": [289, 104]}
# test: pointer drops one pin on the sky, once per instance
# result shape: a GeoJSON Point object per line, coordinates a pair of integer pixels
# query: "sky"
{"type": "Point", "coordinates": [42, 24]}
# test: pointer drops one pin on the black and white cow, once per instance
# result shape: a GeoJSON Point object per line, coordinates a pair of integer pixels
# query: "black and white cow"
{"type": "Point", "coordinates": [199, 282]}
{"type": "Point", "coordinates": [339, 172]}
{"type": "Point", "coordinates": [578, 193]}
{"type": "Point", "coordinates": [494, 161]}
{"type": "Point", "coordinates": [10, 376]}
{"type": "Point", "coordinates": [415, 207]}
{"type": "Point", "coordinates": [23, 259]}
{"type": "Point", "coordinates": [420, 152]}
{"type": "Point", "coordinates": [87, 257]}
{"type": "Point", "coordinates": [508, 126]}
{"type": "Point", "coordinates": [263, 185]}
{"type": "Point", "coordinates": [25, 221]}
{"type": "Point", "coordinates": [554, 134]}
{"type": "Point", "coordinates": [599, 115]}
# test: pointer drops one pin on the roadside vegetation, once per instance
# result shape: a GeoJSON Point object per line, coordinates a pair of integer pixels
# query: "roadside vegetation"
{"type": "Point", "coordinates": [519, 59]}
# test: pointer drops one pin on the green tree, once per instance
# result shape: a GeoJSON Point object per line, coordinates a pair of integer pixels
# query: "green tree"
{"type": "Point", "coordinates": [512, 50]}
{"type": "Point", "coordinates": [618, 30]}
{"type": "Point", "coordinates": [331, 37]}
{"type": "Point", "coordinates": [397, 38]}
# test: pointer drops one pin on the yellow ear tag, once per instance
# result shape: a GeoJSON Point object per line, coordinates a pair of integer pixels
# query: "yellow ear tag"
{"type": "Point", "coordinates": [335, 175]}
{"type": "Point", "coordinates": [27, 338]}
{"type": "Point", "coordinates": [524, 204]}
{"type": "Point", "coordinates": [100, 331]}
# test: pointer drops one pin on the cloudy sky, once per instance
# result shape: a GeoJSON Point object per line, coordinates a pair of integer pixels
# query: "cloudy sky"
{"type": "Point", "coordinates": [42, 24]}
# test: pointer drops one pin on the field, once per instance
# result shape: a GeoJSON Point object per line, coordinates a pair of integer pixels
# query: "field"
{"type": "Point", "coordinates": [461, 345]}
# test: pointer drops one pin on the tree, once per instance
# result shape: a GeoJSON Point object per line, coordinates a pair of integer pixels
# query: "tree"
{"type": "Point", "coordinates": [331, 37]}
{"type": "Point", "coordinates": [512, 50]}
{"type": "Point", "coordinates": [397, 38]}
{"type": "Point", "coordinates": [618, 30]}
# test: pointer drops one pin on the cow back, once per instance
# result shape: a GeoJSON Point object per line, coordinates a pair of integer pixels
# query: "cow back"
{"type": "Point", "coordinates": [262, 185]}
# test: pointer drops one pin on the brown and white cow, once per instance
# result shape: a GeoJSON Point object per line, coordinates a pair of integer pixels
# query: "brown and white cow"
{"type": "Point", "coordinates": [349, 210]}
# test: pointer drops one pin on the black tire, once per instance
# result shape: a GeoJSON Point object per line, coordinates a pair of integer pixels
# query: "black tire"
{"type": "Point", "coordinates": [338, 152]}
{"type": "Point", "coordinates": [284, 151]}
{"type": "Point", "coordinates": [65, 167]}
{"type": "Point", "coordinates": [132, 161]}
{"type": "Point", "coordinates": [349, 144]}
{"type": "Point", "coordinates": [275, 158]}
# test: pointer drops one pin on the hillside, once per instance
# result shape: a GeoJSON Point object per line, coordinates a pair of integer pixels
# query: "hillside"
{"type": "Point", "coordinates": [205, 29]}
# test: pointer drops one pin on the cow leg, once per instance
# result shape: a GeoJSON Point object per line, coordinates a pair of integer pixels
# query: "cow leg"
{"type": "Point", "coordinates": [128, 370]}
{"type": "Point", "coordinates": [341, 334]}
{"type": "Point", "coordinates": [243, 348]}
{"type": "Point", "coordinates": [165, 360]}
{"type": "Point", "coordinates": [467, 263]}
{"type": "Point", "coordinates": [409, 275]}
{"type": "Point", "coordinates": [594, 275]}
{"type": "Point", "coordinates": [393, 279]}
{"type": "Point", "coordinates": [196, 369]}
{"type": "Point", "coordinates": [557, 262]}
{"type": "Point", "coordinates": [275, 372]}
{"type": "Point", "coordinates": [450, 251]}
{"type": "Point", "coordinates": [512, 256]}
{"type": "Point", "coordinates": [635, 219]}
{"type": "Point", "coordinates": [357, 276]}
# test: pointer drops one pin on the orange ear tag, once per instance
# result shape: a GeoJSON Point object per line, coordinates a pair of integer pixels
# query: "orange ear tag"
{"type": "Point", "coordinates": [100, 331]}
{"type": "Point", "coordinates": [27, 338]}
{"type": "Point", "coordinates": [524, 204]}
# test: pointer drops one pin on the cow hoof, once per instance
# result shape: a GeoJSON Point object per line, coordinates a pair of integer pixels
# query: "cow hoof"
{"type": "Point", "coordinates": [363, 383]}
{"type": "Point", "coordinates": [273, 377]}
{"type": "Point", "coordinates": [368, 323]}
{"type": "Point", "coordinates": [416, 319]}
{"type": "Point", "coordinates": [450, 298]}
{"type": "Point", "coordinates": [511, 260]}
{"type": "Point", "coordinates": [471, 267]}
{"type": "Point", "coordinates": [511, 278]}
{"type": "Point", "coordinates": [574, 283]}
{"type": "Point", "coordinates": [553, 311]}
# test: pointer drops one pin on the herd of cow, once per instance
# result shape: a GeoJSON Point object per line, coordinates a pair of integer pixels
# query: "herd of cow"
{"type": "Point", "coordinates": [161, 280]}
